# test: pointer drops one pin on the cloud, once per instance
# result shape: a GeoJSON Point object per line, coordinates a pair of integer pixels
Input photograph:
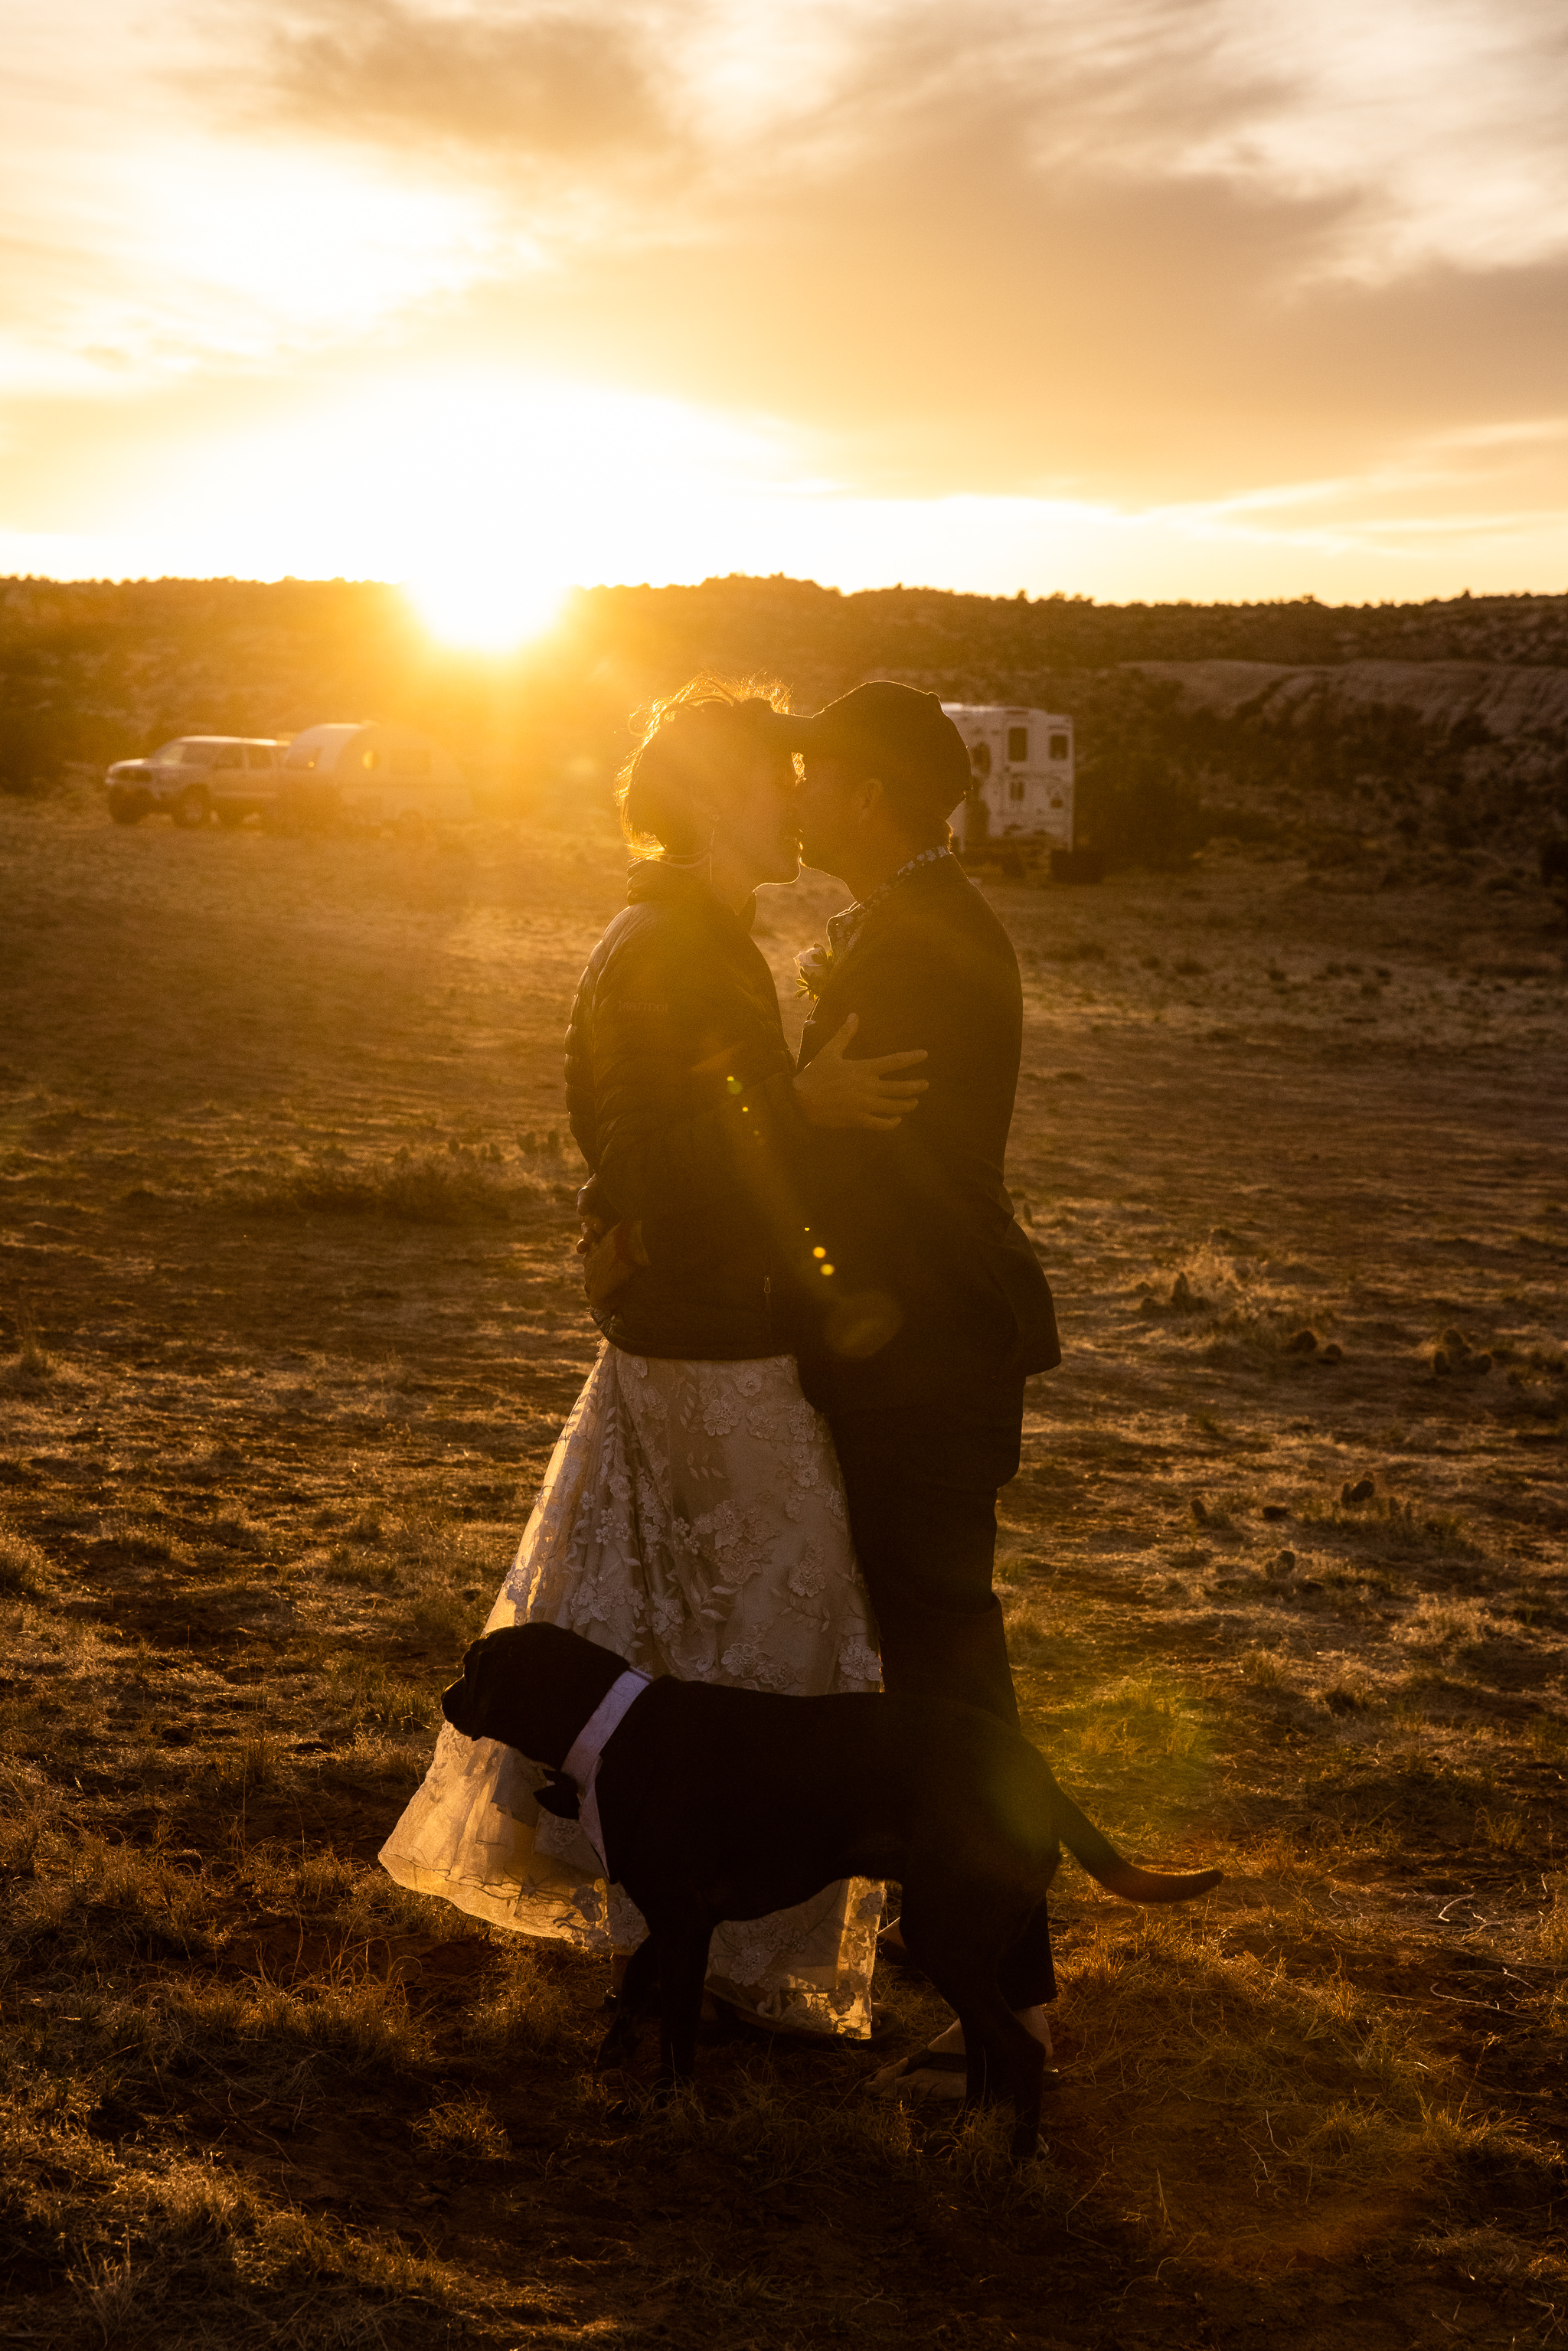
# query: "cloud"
{"type": "Point", "coordinates": [549, 84]}
{"type": "Point", "coordinates": [1058, 246]}
{"type": "Point", "coordinates": [1135, 253]}
{"type": "Point", "coordinates": [1431, 127]}
{"type": "Point", "coordinates": [1425, 130]}
{"type": "Point", "coordinates": [949, 315]}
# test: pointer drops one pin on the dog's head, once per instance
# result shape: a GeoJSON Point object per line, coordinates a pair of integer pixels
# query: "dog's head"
{"type": "Point", "coordinates": [533, 1687]}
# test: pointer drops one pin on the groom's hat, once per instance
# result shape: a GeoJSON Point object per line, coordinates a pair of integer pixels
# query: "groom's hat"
{"type": "Point", "coordinates": [895, 732]}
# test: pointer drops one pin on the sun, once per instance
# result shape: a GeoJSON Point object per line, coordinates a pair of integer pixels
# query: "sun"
{"type": "Point", "coordinates": [484, 609]}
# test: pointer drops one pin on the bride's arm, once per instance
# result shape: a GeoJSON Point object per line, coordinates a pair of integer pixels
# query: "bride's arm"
{"type": "Point", "coordinates": [656, 1156]}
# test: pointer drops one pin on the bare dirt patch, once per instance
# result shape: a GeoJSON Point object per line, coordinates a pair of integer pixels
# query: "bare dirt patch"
{"type": "Point", "coordinates": [291, 1322]}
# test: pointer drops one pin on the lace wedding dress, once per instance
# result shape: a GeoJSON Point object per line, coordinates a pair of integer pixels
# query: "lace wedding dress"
{"type": "Point", "coordinates": [692, 1519]}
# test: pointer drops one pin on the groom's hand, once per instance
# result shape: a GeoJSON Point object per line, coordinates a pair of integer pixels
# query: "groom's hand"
{"type": "Point", "coordinates": [833, 1091]}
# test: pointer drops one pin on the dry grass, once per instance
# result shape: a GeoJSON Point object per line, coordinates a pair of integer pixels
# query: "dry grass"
{"type": "Point", "coordinates": [28, 1372]}
{"type": "Point", "coordinates": [1306, 2090]}
{"type": "Point", "coordinates": [464, 1186]}
{"type": "Point", "coordinates": [295, 1368]}
{"type": "Point", "coordinates": [464, 2127]}
{"type": "Point", "coordinates": [24, 1569]}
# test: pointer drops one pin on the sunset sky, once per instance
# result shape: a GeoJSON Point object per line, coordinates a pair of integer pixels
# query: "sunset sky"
{"type": "Point", "coordinates": [1125, 298]}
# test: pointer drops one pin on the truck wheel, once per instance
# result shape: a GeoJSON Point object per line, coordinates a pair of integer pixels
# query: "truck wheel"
{"type": "Point", "coordinates": [192, 809]}
{"type": "Point", "coordinates": [128, 808]}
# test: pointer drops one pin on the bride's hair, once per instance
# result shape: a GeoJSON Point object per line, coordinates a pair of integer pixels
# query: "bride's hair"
{"type": "Point", "coordinates": [690, 741]}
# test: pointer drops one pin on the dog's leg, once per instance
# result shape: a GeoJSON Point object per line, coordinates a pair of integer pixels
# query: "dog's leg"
{"type": "Point", "coordinates": [683, 1966]}
{"type": "Point", "coordinates": [619, 2046]}
{"type": "Point", "coordinates": [1004, 2059]}
{"type": "Point", "coordinates": [1027, 1977]}
{"type": "Point", "coordinates": [976, 2078]}
{"type": "Point", "coordinates": [1011, 2064]}
{"type": "Point", "coordinates": [939, 1936]}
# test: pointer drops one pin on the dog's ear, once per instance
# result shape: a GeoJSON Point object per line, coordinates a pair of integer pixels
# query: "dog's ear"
{"type": "Point", "coordinates": [473, 1650]}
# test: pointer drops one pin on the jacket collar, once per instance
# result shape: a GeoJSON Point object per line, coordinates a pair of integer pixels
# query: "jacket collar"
{"type": "Point", "coordinates": [903, 894]}
{"type": "Point", "coordinates": [655, 881]}
{"type": "Point", "coordinates": [844, 928]}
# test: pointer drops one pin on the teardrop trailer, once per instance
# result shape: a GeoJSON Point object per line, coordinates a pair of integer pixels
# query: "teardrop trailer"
{"type": "Point", "coordinates": [355, 773]}
{"type": "Point", "coordinates": [1020, 795]}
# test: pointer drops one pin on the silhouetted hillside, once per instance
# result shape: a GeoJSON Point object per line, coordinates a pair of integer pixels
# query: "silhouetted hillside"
{"type": "Point", "coordinates": [95, 671]}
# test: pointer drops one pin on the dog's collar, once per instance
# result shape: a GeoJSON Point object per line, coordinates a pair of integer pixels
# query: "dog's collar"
{"type": "Point", "coordinates": [582, 1761]}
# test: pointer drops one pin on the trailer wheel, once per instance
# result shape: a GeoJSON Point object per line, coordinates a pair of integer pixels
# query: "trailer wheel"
{"type": "Point", "coordinates": [192, 807]}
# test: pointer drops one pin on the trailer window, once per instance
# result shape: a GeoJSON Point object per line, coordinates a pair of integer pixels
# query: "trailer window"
{"type": "Point", "coordinates": [1059, 746]}
{"type": "Point", "coordinates": [1015, 788]}
{"type": "Point", "coordinates": [1017, 744]}
{"type": "Point", "coordinates": [980, 759]}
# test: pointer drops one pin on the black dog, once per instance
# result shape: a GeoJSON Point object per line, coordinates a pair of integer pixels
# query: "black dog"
{"type": "Point", "coordinates": [727, 1803]}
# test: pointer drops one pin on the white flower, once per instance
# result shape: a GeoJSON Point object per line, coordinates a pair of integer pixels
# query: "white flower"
{"type": "Point", "coordinates": [813, 965]}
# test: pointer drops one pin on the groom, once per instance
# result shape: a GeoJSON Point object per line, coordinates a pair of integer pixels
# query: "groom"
{"type": "Point", "coordinates": [930, 1309]}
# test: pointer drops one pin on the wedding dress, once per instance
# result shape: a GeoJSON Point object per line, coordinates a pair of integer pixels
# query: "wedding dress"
{"type": "Point", "coordinates": [693, 1519]}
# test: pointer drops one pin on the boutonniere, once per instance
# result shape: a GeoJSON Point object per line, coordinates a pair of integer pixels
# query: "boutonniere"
{"type": "Point", "coordinates": [813, 967]}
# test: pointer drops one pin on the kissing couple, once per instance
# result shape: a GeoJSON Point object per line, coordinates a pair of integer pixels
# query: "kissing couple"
{"type": "Point", "coordinates": [818, 1310]}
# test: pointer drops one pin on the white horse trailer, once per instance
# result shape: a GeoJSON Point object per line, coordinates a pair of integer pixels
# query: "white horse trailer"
{"type": "Point", "coordinates": [1020, 766]}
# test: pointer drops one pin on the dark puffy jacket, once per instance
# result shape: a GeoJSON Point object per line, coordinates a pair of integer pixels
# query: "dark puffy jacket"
{"type": "Point", "coordinates": [680, 1091]}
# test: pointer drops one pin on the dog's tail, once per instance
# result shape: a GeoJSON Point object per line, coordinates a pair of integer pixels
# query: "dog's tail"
{"type": "Point", "coordinates": [1102, 1860]}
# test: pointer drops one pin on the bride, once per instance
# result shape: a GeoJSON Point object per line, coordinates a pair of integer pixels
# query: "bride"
{"type": "Point", "coordinates": [692, 1515]}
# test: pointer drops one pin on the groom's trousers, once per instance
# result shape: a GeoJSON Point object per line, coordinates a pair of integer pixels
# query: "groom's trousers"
{"type": "Point", "coordinates": [921, 1482]}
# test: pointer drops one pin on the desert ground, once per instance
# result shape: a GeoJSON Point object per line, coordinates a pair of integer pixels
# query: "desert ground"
{"type": "Point", "coordinates": [291, 1321]}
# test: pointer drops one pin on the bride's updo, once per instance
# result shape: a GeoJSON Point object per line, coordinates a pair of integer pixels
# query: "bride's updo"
{"type": "Point", "coordinates": [696, 748]}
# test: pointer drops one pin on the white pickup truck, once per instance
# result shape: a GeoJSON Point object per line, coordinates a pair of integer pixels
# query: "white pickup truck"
{"type": "Point", "coordinates": [195, 777]}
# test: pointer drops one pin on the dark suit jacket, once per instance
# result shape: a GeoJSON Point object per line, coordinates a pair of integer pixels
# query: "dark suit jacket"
{"type": "Point", "coordinates": [934, 1291]}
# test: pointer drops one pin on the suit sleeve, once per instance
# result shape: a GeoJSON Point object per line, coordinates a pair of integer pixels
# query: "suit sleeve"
{"type": "Point", "coordinates": [952, 1004]}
